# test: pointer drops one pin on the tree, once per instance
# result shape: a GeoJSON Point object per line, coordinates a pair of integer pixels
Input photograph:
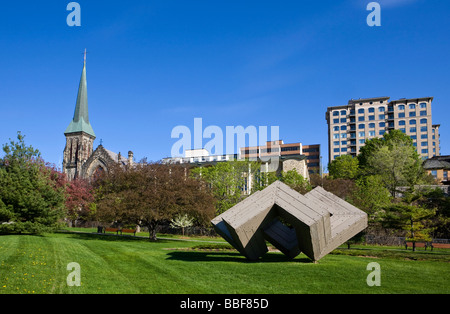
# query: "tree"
{"type": "Point", "coordinates": [79, 198]}
{"type": "Point", "coordinates": [227, 180]}
{"type": "Point", "coordinates": [295, 180]}
{"type": "Point", "coordinates": [371, 196]}
{"type": "Point", "coordinates": [412, 219]}
{"type": "Point", "coordinates": [150, 194]}
{"type": "Point", "coordinates": [181, 221]}
{"type": "Point", "coordinates": [394, 159]}
{"type": "Point", "coordinates": [31, 193]}
{"type": "Point", "coordinates": [343, 188]}
{"type": "Point", "coordinates": [344, 167]}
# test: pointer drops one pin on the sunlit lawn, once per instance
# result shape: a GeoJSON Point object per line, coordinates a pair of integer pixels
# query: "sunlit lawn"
{"type": "Point", "coordinates": [111, 264]}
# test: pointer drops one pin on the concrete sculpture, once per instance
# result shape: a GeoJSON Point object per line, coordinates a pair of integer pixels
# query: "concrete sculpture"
{"type": "Point", "coordinates": [315, 223]}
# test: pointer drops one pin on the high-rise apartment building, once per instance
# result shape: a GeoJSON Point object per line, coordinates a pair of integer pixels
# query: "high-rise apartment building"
{"type": "Point", "coordinates": [351, 125]}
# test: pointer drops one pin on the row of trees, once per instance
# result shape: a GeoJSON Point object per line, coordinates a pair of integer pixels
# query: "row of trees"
{"type": "Point", "coordinates": [383, 179]}
{"type": "Point", "coordinates": [35, 197]}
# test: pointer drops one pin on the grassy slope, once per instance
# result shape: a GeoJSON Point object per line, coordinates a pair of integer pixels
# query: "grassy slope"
{"type": "Point", "coordinates": [37, 264]}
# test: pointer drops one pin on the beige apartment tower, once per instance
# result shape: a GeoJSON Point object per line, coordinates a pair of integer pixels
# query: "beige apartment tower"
{"type": "Point", "coordinates": [351, 125]}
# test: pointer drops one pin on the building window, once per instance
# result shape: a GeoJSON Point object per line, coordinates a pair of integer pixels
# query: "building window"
{"type": "Point", "coordinates": [424, 136]}
{"type": "Point", "coordinates": [381, 109]}
{"type": "Point", "coordinates": [413, 137]}
{"type": "Point", "coordinates": [371, 110]}
{"type": "Point", "coordinates": [412, 121]}
{"type": "Point", "coordinates": [423, 105]}
{"type": "Point", "coordinates": [344, 135]}
{"type": "Point", "coordinates": [434, 173]}
{"type": "Point", "coordinates": [423, 129]}
{"type": "Point", "coordinates": [335, 113]}
{"type": "Point", "coordinates": [344, 143]}
{"type": "Point", "coordinates": [413, 130]}
{"type": "Point", "coordinates": [382, 124]}
{"type": "Point", "coordinates": [424, 144]}
{"type": "Point", "coordinates": [403, 130]}
{"type": "Point", "coordinates": [412, 114]}
{"type": "Point", "coordinates": [362, 134]}
{"type": "Point", "coordinates": [343, 127]}
{"type": "Point", "coordinates": [335, 120]}
{"type": "Point", "coordinates": [343, 112]}
{"type": "Point", "coordinates": [371, 133]}
{"type": "Point", "coordinates": [336, 128]}
{"type": "Point", "coordinates": [401, 115]}
{"type": "Point", "coordinates": [361, 110]}
{"type": "Point", "coordinates": [336, 150]}
{"type": "Point", "coordinates": [361, 118]}
{"type": "Point", "coordinates": [336, 143]}
{"type": "Point", "coordinates": [362, 141]}
{"type": "Point", "coordinates": [381, 117]}
{"type": "Point", "coordinates": [335, 136]}
{"type": "Point", "coordinates": [424, 151]}
{"type": "Point", "coordinates": [382, 132]}
{"type": "Point", "coordinates": [412, 106]}
{"type": "Point", "coordinates": [371, 118]}
{"type": "Point", "coordinates": [343, 120]}
{"type": "Point", "coordinates": [371, 125]}
{"type": "Point", "coordinates": [401, 107]}
{"type": "Point", "coordinates": [445, 175]}
{"type": "Point", "coordinates": [401, 122]}
{"type": "Point", "coordinates": [423, 113]}
{"type": "Point", "coordinates": [423, 121]}
{"type": "Point", "coordinates": [344, 149]}
{"type": "Point", "coordinates": [361, 126]}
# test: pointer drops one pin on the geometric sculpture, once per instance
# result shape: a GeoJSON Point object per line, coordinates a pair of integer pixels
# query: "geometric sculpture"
{"type": "Point", "coordinates": [315, 223]}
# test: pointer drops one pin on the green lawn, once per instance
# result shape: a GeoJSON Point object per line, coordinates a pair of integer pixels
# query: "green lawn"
{"type": "Point", "coordinates": [110, 264]}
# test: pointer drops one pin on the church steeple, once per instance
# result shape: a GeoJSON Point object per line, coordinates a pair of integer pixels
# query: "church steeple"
{"type": "Point", "coordinates": [79, 134]}
{"type": "Point", "coordinates": [80, 121]}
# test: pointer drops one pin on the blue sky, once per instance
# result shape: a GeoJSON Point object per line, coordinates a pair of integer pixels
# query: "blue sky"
{"type": "Point", "coordinates": [153, 65]}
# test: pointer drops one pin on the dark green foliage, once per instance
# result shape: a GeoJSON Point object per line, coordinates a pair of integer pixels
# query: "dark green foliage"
{"type": "Point", "coordinates": [31, 196]}
{"type": "Point", "coordinates": [344, 167]}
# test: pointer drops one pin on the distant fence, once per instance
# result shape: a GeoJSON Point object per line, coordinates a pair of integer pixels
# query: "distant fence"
{"type": "Point", "coordinates": [444, 188]}
{"type": "Point", "coordinates": [395, 241]}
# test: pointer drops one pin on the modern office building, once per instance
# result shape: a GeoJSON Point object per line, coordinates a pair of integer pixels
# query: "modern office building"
{"type": "Point", "coordinates": [279, 148]}
{"type": "Point", "coordinates": [351, 125]}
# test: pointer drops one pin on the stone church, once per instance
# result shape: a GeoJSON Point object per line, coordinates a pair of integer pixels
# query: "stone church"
{"type": "Point", "coordinates": [80, 159]}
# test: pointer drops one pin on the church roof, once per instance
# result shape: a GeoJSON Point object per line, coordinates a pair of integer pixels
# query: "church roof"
{"type": "Point", "coordinates": [80, 121]}
{"type": "Point", "coordinates": [115, 156]}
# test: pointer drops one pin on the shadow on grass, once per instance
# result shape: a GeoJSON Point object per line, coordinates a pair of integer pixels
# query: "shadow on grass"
{"type": "Point", "coordinates": [223, 256]}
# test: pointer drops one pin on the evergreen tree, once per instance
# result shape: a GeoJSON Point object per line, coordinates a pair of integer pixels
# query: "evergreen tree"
{"type": "Point", "coordinates": [31, 198]}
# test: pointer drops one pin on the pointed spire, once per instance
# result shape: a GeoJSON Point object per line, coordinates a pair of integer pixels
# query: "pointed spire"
{"type": "Point", "coordinates": [80, 122]}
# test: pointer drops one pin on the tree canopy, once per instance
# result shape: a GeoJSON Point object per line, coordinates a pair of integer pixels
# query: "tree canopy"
{"type": "Point", "coordinates": [394, 159]}
{"type": "Point", "coordinates": [31, 192]}
{"type": "Point", "coordinates": [149, 194]}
